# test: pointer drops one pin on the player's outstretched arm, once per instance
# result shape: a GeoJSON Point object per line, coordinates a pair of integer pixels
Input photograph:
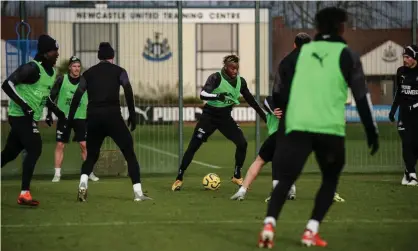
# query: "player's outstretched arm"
{"type": "Point", "coordinates": [352, 70]}
{"type": "Point", "coordinates": [51, 102]}
{"type": "Point", "coordinates": [25, 74]}
{"type": "Point", "coordinates": [271, 107]}
{"type": "Point", "coordinates": [129, 96]}
{"type": "Point", "coordinates": [53, 95]}
{"type": "Point", "coordinates": [251, 100]}
{"type": "Point", "coordinates": [77, 98]}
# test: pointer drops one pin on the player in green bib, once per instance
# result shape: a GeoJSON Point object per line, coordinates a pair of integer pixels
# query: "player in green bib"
{"type": "Point", "coordinates": [266, 152]}
{"type": "Point", "coordinates": [63, 92]}
{"type": "Point", "coordinates": [315, 121]}
{"type": "Point", "coordinates": [221, 91]}
{"type": "Point", "coordinates": [28, 89]}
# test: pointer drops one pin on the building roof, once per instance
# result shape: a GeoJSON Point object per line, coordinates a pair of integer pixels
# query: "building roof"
{"type": "Point", "coordinates": [384, 60]}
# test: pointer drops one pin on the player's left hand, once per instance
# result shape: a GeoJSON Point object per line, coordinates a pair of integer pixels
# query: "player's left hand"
{"type": "Point", "coordinates": [391, 116]}
{"type": "Point", "coordinates": [132, 123]}
{"type": "Point", "coordinates": [373, 143]}
{"type": "Point", "coordinates": [49, 121]}
{"type": "Point", "coordinates": [278, 113]}
{"type": "Point", "coordinates": [66, 124]}
{"type": "Point", "coordinates": [227, 97]}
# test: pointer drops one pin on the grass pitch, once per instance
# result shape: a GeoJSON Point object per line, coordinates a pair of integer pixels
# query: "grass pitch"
{"type": "Point", "coordinates": [379, 213]}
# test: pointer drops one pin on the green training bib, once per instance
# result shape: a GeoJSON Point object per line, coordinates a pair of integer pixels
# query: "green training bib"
{"type": "Point", "coordinates": [319, 91]}
{"type": "Point", "coordinates": [272, 123]}
{"type": "Point", "coordinates": [226, 87]}
{"type": "Point", "coordinates": [35, 95]}
{"type": "Point", "coordinates": [65, 97]}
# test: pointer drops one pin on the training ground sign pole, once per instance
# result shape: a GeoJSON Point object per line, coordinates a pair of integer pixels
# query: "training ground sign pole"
{"type": "Point", "coordinates": [180, 69]}
{"type": "Point", "coordinates": [414, 22]}
{"type": "Point", "coordinates": [257, 73]}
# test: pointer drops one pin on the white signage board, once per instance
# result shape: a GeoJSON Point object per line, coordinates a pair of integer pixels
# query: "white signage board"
{"type": "Point", "coordinates": [155, 15]}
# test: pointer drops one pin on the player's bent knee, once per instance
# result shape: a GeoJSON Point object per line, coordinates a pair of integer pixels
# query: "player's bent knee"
{"type": "Point", "coordinates": [129, 154]}
{"type": "Point", "coordinates": [60, 146]}
{"type": "Point", "coordinates": [332, 173]}
{"type": "Point", "coordinates": [34, 152]}
{"type": "Point", "coordinates": [83, 146]}
{"type": "Point", "coordinates": [287, 174]}
{"type": "Point", "coordinates": [260, 160]}
{"type": "Point", "coordinates": [92, 157]}
{"type": "Point", "coordinates": [242, 145]}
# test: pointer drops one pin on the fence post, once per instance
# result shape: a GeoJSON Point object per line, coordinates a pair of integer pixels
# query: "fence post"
{"type": "Point", "coordinates": [414, 22]}
{"type": "Point", "coordinates": [257, 72]}
{"type": "Point", "coordinates": [270, 52]}
{"type": "Point", "coordinates": [22, 34]}
{"type": "Point", "coordinates": [180, 69]}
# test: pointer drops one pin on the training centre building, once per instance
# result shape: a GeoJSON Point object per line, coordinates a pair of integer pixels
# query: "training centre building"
{"type": "Point", "coordinates": [146, 43]}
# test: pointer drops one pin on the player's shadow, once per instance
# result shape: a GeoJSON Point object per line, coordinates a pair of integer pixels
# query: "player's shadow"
{"type": "Point", "coordinates": [17, 207]}
{"type": "Point", "coordinates": [284, 242]}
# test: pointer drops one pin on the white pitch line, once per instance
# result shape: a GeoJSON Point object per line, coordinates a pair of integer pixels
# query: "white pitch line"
{"type": "Point", "coordinates": [176, 156]}
{"type": "Point", "coordinates": [190, 222]}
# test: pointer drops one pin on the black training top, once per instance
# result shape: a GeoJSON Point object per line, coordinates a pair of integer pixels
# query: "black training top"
{"type": "Point", "coordinates": [407, 87]}
{"type": "Point", "coordinates": [102, 83]}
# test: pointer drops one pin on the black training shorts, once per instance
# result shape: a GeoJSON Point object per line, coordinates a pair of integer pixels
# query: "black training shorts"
{"type": "Point", "coordinates": [267, 149]}
{"type": "Point", "coordinates": [208, 124]}
{"type": "Point", "coordinates": [79, 127]}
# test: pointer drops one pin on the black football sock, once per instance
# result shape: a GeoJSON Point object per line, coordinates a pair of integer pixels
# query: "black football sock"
{"type": "Point", "coordinates": [194, 145]}
{"type": "Point", "coordinates": [324, 199]}
{"type": "Point", "coordinates": [237, 172]}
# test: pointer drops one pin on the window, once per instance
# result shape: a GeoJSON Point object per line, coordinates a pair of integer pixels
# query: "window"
{"type": "Point", "coordinates": [87, 38]}
{"type": "Point", "coordinates": [214, 41]}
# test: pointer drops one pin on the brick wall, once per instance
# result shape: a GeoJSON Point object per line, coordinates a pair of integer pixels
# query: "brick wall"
{"type": "Point", "coordinates": [8, 24]}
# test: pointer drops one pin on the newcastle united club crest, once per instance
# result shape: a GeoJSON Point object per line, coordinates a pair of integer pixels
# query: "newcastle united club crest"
{"type": "Point", "coordinates": [157, 50]}
{"type": "Point", "coordinates": [389, 54]}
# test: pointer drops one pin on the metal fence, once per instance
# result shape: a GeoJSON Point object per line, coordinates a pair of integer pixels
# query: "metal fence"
{"type": "Point", "coordinates": [170, 48]}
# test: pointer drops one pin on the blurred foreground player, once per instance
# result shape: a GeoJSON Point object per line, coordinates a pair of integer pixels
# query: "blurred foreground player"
{"type": "Point", "coordinates": [102, 83]}
{"type": "Point", "coordinates": [406, 98]}
{"type": "Point", "coordinates": [282, 84]}
{"type": "Point", "coordinates": [315, 121]}
{"type": "Point", "coordinates": [64, 89]}
{"type": "Point", "coordinates": [266, 154]}
{"type": "Point", "coordinates": [221, 91]}
{"type": "Point", "coordinates": [28, 89]}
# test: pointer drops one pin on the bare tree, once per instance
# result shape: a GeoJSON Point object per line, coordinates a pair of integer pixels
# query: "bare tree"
{"type": "Point", "coordinates": [3, 7]}
{"type": "Point", "coordinates": [361, 14]}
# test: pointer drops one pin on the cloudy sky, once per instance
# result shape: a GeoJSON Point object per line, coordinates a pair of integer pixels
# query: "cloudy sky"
{"type": "Point", "coordinates": [386, 14]}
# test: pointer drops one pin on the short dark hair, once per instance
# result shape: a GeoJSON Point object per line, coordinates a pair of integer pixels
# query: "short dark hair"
{"type": "Point", "coordinates": [231, 59]}
{"type": "Point", "coordinates": [301, 39]}
{"type": "Point", "coordinates": [328, 20]}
